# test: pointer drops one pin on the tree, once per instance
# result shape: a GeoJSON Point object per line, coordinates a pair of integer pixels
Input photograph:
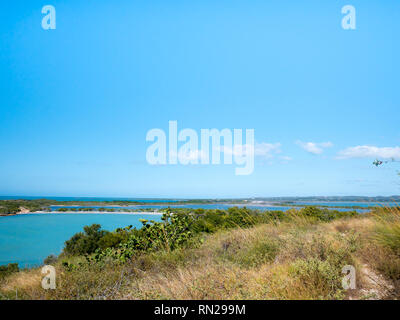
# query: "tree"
{"type": "Point", "coordinates": [85, 242]}
{"type": "Point", "coordinates": [378, 162]}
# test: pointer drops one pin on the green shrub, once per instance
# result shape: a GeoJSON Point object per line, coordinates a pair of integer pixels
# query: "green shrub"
{"type": "Point", "coordinates": [51, 259]}
{"type": "Point", "coordinates": [182, 228]}
{"type": "Point", "coordinates": [86, 242]}
{"type": "Point", "coordinates": [319, 275]}
{"type": "Point", "coordinates": [258, 253]}
{"type": "Point", "coordinates": [8, 269]}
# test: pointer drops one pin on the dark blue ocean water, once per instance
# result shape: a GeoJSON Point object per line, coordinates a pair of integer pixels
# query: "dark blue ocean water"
{"type": "Point", "coordinates": [87, 199]}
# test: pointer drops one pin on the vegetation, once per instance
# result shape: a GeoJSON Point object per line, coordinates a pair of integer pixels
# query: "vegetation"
{"type": "Point", "coordinates": [387, 229]}
{"type": "Point", "coordinates": [8, 269]}
{"type": "Point", "coordinates": [226, 254]}
{"type": "Point", "coordinates": [178, 230]}
{"type": "Point", "coordinates": [10, 207]}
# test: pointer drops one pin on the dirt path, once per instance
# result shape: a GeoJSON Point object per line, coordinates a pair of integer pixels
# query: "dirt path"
{"type": "Point", "coordinates": [374, 286]}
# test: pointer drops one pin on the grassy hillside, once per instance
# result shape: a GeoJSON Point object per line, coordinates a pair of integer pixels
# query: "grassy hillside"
{"type": "Point", "coordinates": [299, 255]}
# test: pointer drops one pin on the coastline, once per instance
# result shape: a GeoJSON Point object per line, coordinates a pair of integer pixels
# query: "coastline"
{"type": "Point", "coordinates": [114, 205]}
{"type": "Point", "coordinates": [85, 212]}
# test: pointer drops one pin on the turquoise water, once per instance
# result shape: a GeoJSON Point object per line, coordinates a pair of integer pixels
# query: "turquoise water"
{"type": "Point", "coordinates": [28, 239]}
{"type": "Point", "coordinates": [196, 206]}
{"type": "Point", "coordinates": [347, 204]}
{"type": "Point", "coordinates": [192, 206]}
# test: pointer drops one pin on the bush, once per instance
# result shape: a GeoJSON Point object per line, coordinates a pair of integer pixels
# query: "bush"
{"type": "Point", "coordinates": [174, 232]}
{"type": "Point", "coordinates": [318, 275]}
{"type": "Point", "coordinates": [8, 269]}
{"type": "Point", "coordinates": [9, 208]}
{"type": "Point", "coordinates": [257, 253]}
{"type": "Point", "coordinates": [84, 243]}
{"type": "Point", "coordinates": [51, 259]}
{"type": "Point", "coordinates": [182, 228]}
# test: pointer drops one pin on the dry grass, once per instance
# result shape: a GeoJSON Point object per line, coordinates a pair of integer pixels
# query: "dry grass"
{"type": "Point", "coordinates": [300, 259]}
{"type": "Point", "coordinates": [387, 228]}
{"type": "Point", "coordinates": [21, 281]}
{"type": "Point", "coordinates": [283, 261]}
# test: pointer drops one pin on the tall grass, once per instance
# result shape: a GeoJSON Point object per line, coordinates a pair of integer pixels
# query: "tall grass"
{"type": "Point", "coordinates": [387, 228]}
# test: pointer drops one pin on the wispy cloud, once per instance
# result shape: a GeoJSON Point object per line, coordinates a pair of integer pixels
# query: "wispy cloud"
{"type": "Point", "coordinates": [236, 150]}
{"type": "Point", "coordinates": [369, 152]}
{"type": "Point", "coordinates": [286, 158]}
{"type": "Point", "coordinates": [191, 155]}
{"type": "Point", "coordinates": [314, 147]}
{"type": "Point", "coordinates": [264, 149]}
{"type": "Point", "coordinates": [267, 150]}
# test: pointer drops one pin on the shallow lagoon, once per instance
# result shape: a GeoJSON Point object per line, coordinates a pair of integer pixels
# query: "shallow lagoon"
{"type": "Point", "coordinates": [347, 204]}
{"type": "Point", "coordinates": [29, 238]}
{"type": "Point", "coordinates": [221, 206]}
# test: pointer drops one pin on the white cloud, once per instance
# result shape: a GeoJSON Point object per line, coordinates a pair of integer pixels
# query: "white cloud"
{"type": "Point", "coordinates": [237, 150]}
{"type": "Point", "coordinates": [191, 156]}
{"type": "Point", "coordinates": [267, 150]}
{"type": "Point", "coordinates": [314, 147]}
{"type": "Point", "coordinates": [369, 152]}
{"type": "Point", "coordinates": [264, 149]}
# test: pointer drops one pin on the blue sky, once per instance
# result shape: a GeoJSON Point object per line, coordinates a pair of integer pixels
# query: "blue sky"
{"type": "Point", "coordinates": [77, 102]}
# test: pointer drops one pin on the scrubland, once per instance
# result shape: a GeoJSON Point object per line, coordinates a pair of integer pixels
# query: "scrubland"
{"type": "Point", "coordinates": [240, 254]}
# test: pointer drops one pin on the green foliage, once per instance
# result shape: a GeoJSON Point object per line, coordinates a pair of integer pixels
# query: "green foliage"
{"type": "Point", "coordinates": [172, 233]}
{"type": "Point", "coordinates": [51, 259]}
{"type": "Point", "coordinates": [320, 266]}
{"type": "Point", "coordinates": [13, 206]}
{"type": "Point", "coordinates": [253, 255]}
{"type": "Point", "coordinates": [9, 208]}
{"type": "Point", "coordinates": [316, 273]}
{"type": "Point", "coordinates": [325, 214]}
{"type": "Point", "coordinates": [181, 228]}
{"type": "Point", "coordinates": [388, 235]}
{"type": "Point", "coordinates": [8, 269]}
{"type": "Point", "coordinates": [259, 253]}
{"type": "Point", "coordinates": [111, 240]}
{"type": "Point", "coordinates": [86, 242]}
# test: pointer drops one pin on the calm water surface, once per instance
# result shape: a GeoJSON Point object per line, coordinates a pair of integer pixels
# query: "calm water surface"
{"type": "Point", "coordinates": [199, 206]}
{"type": "Point", "coordinates": [348, 204]}
{"type": "Point", "coordinates": [28, 239]}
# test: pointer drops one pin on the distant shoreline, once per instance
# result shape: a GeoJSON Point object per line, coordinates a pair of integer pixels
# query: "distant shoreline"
{"type": "Point", "coordinates": [30, 206]}
{"type": "Point", "coordinates": [113, 205]}
{"type": "Point", "coordinates": [85, 212]}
